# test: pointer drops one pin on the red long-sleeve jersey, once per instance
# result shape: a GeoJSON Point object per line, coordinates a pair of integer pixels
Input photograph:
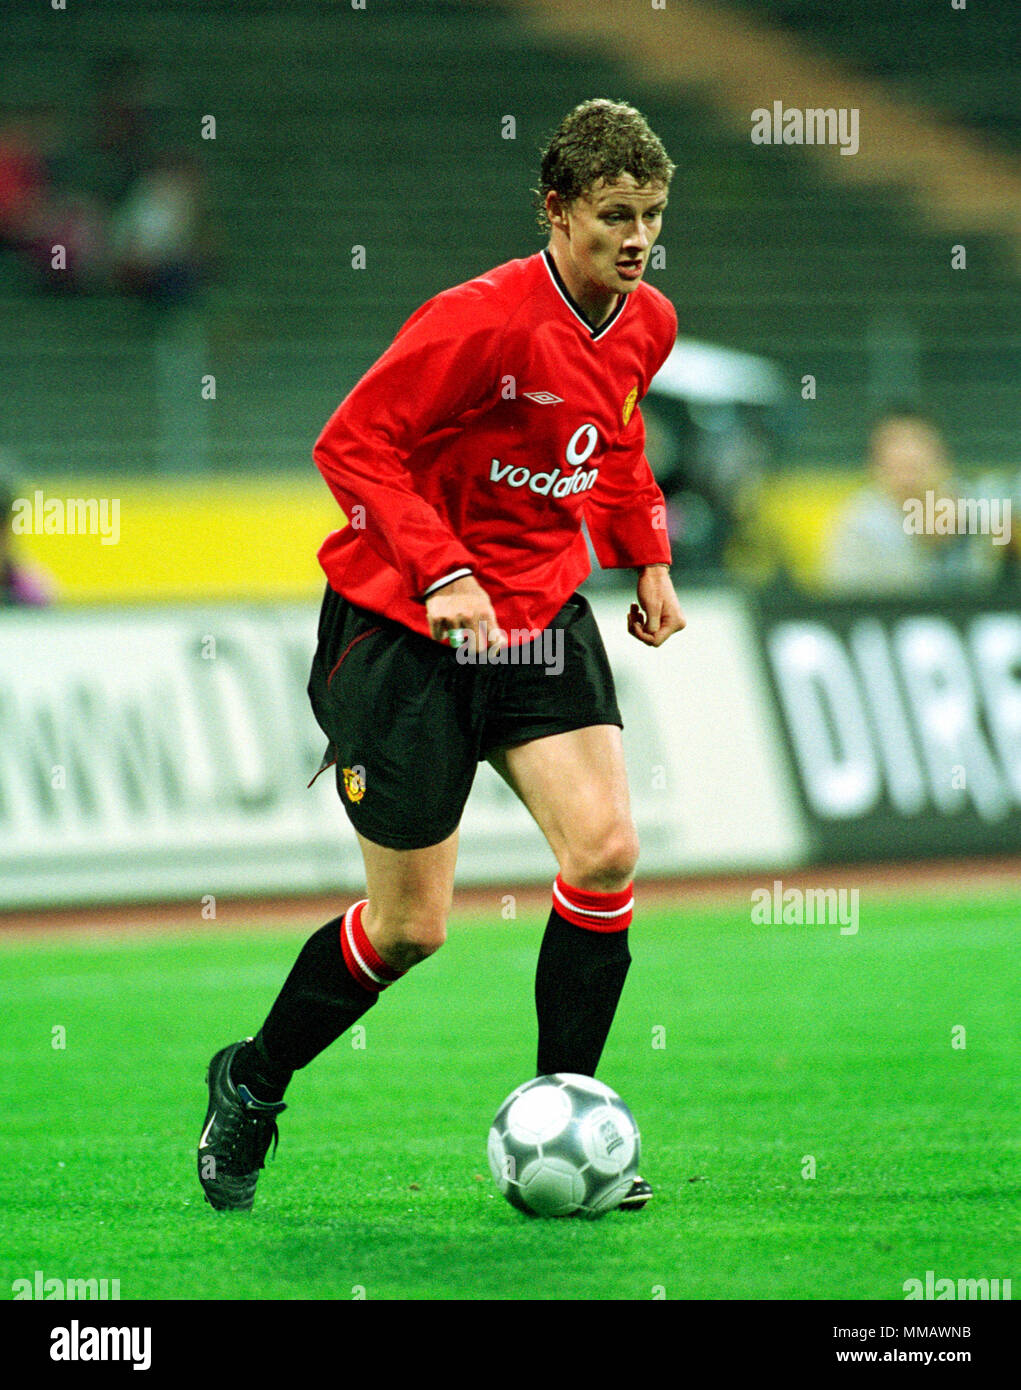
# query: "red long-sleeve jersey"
{"type": "Point", "coordinates": [496, 421]}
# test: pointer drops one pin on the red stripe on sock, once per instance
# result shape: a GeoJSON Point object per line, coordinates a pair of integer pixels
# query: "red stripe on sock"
{"type": "Point", "coordinates": [595, 911]}
{"type": "Point", "coordinates": [360, 956]}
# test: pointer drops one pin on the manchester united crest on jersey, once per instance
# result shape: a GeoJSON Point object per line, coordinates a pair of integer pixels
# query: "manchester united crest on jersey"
{"type": "Point", "coordinates": [630, 401]}
{"type": "Point", "coordinates": [354, 783]}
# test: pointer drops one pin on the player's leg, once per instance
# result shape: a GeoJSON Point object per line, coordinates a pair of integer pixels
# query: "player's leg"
{"type": "Point", "coordinates": [389, 701]}
{"type": "Point", "coordinates": [575, 786]}
{"type": "Point", "coordinates": [392, 703]}
{"type": "Point", "coordinates": [409, 898]}
{"type": "Point", "coordinates": [345, 966]}
{"type": "Point", "coordinates": [338, 976]}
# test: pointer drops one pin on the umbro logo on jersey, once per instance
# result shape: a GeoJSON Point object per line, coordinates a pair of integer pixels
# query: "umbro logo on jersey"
{"type": "Point", "coordinates": [543, 397]}
{"type": "Point", "coordinates": [544, 484]}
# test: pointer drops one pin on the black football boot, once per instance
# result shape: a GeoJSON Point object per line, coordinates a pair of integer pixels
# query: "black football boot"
{"type": "Point", "coordinates": [236, 1137]}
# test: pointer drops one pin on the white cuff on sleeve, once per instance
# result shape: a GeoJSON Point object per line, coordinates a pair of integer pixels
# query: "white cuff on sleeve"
{"type": "Point", "coordinates": [447, 579]}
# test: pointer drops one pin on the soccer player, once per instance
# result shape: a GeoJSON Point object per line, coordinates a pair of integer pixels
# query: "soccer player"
{"type": "Point", "coordinates": [504, 414]}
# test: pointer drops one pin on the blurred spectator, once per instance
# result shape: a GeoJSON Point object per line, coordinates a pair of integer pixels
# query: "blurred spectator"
{"type": "Point", "coordinates": [1000, 488]}
{"type": "Point", "coordinates": [159, 238]}
{"type": "Point", "coordinates": [871, 547]}
{"type": "Point", "coordinates": [58, 230]}
{"type": "Point", "coordinates": [24, 179]}
{"type": "Point", "coordinates": [21, 584]}
{"type": "Point", "coordinates": [105, 210]}
{"type": "Point", "coordinates": [69, 252]}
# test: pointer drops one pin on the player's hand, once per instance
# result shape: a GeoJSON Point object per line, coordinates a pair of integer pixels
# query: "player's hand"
{"type": "Point", "coordinates": [657, 614]}
{"type": "Point", "coordinates": [463, 607]}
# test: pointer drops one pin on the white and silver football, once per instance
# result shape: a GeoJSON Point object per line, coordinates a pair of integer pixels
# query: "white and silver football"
{"type": "Point", "coordinates": [563, 1145]}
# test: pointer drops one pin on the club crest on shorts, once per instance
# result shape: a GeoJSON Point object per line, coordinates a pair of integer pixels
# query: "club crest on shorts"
{"type": "Point", "coordinates": [630, 401]}
{"type": "Point", "coordinates": [354, 783]}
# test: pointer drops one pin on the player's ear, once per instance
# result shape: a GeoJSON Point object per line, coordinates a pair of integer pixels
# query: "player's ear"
{"type": "Point", "coordinates": [556, 210]}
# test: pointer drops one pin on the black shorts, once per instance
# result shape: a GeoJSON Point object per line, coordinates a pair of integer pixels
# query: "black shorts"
{"type": "Point", "coordinates": [408, 723]}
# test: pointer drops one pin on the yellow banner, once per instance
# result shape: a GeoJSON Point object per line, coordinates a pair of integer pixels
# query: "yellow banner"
{"type": "Point", "coordinates": [106, 540]}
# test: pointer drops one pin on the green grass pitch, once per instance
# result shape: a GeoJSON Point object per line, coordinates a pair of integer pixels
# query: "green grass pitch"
{"type": "Point", "coordinates": [747, 1053]}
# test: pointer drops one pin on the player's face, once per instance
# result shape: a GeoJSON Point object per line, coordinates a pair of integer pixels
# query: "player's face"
{"type": "Point", "coordinates": [607, 235]}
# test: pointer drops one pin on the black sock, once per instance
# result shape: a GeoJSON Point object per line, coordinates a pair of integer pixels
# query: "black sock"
{"type": "Point", "coordinates": [578, 981]}
{"type": "Point", "coordinates": [319, 1001]}
{"type": "Point", "coordinates": [252, 1066]}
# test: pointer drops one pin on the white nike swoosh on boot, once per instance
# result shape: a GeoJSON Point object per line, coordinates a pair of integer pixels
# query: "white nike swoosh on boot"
{"type": "Point", "coordinates": [205, 1132]}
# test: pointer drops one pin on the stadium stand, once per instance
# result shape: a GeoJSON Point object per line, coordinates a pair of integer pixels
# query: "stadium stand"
{"type": "Point", "coordinates": [369, 134]}
{"type": "Point", "coordinates": [962, 60]}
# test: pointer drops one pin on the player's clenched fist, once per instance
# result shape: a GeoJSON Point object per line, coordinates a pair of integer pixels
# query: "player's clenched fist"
{"type": "Point", "coordinates": [463, 606]}
{"type": "Point", "coordinates": [657, 614]}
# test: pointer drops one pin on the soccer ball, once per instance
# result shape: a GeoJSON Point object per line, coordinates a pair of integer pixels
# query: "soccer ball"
{"type": "Point", "coordinates": [564, 1144]}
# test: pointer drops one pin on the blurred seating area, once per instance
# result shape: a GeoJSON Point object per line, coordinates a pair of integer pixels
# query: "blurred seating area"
{"type": "Point", "coordinates": [962, 60]}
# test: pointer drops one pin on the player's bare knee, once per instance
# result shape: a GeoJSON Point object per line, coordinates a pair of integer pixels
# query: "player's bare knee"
{"type": "Point", "coordinates": [426, 936]}
{"type": "Point", "coordinates": [417, 937]}
{"type": "Point", "coordinates": [403, 938]}
{"type": "Point", "coordinates": [603, 863]}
